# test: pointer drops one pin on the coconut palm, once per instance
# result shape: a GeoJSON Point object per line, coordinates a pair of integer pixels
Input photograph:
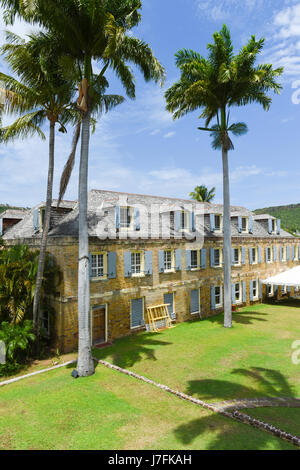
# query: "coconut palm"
{"type": "Point", "coordinates": [84, 32]}
{"type": "Point", "coordinates": [40, 95]}
{"type": "Point", "coordinates": [202, 194]}
{"type": "Point", "coordinates": [215, 85]}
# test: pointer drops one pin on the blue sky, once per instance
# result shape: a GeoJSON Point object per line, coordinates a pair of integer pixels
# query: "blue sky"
{"type": "Point", "coordinates": [139, 148]}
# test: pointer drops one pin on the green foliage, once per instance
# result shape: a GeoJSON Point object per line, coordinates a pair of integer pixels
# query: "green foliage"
{"type": "Point", "coordinates": [202, 194]}
{"type": "Point", "coordinates": [289, 215]}
{"type": "Point", "coordinates": [220, 82]}
{"type": "Point", "coordinates": [18, 268]}
{"type": "Point", "coordinates": [5, 207]}
{"type": "Point", "coordinates": [18, 340]}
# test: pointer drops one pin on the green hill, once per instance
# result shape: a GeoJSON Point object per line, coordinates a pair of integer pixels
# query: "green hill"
{"type": "Point", "coordinates": [289, 215]}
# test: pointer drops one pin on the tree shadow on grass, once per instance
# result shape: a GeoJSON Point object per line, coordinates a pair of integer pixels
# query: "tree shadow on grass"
{"type": "Point", "coordinates": [231, 435]}
{"type": "Point", "coordinates": [128, 351]}
{"type": "Point", "coordinates": [262, 383]}
{"type": "Point", "coordinates": [246, 318]}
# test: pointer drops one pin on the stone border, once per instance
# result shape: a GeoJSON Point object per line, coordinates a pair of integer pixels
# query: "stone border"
{"type": "Point", "coordinates": [266, 402]}
{"type": "Point", "coordinates": [236, 415]}
{"type": "Point", "coordinates": [16, 379]}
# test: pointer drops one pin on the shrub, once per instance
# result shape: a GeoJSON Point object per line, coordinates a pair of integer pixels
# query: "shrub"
{"type": "Point", "coordinates": [18, 339]}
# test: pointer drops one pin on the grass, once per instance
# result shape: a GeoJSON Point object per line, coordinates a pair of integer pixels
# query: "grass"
{"type": "Point", "coordinates": [112, 411]}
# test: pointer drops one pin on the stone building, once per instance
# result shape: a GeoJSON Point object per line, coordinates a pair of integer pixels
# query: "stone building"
{"type": "Point", "coordinates": [148, 250]}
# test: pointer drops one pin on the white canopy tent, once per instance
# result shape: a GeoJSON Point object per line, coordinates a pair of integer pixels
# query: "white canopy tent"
{"type": "Point", "coordinates": [287, 278]}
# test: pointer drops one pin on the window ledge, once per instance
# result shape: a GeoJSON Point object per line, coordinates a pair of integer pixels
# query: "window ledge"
{"type": "Point", "coordinates": [96, 279]}
{"type": "Point", "coordinates": [195, 313]}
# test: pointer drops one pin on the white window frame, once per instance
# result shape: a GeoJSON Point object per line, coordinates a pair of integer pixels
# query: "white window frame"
{"type": "Point", "coordinates": [219, 305]}
{"type": "Point", "coordinates": [239, 300]}
{"type": "Point", "coordinates": [284, 290]}
{"type": "Point", "coordinates": [142, 263]}
{"type": "Point", "coordinates": [220, 229]}
{"type": "Point", "coordinates": [239, 257]}
{"type": "Point", "coordinates": [186, 225]}
{"type": "Point", "coordinates": [131, 218]}
{"type": "Point", "coordinates": [220, 257]}
{"type": "Point", "coordinates": [255, 297]}
{"type": "Point", "coordinates": [199, 302]}
{"type": "Point", "coordinates": [255, 249]}
{"type": "Point", "coordinates": [271, 293]}
{"type": "Point", "coordinates": [296, 254]}
{"type": "Point", "coordinates": [269, 261]}
{"type": "Point", "coordinates": [196, 268]}
{"type": "Point", "coordinates": [99, 253]}
{"type": "Point", "coordinates": [172, 269]}
{"type": "Point", "coordinates": [274, 227]}
{"type": "Point", "coordinates": [246, 230]}
{"type": "Point", "coordinates": [284, 257]}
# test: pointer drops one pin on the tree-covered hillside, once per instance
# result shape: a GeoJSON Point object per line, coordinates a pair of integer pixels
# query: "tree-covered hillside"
{"type": "Point", "coordinates": [4, 207]}
{"type": "Point", "coordinates": [289, 215]}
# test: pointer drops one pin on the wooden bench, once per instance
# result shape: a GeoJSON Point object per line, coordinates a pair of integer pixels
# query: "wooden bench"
{"type": "Point", "coordinates": [158, 317]}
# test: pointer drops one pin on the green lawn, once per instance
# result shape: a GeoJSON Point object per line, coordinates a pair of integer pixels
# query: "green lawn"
{"type": "Point", "coordinates": [112, 411]}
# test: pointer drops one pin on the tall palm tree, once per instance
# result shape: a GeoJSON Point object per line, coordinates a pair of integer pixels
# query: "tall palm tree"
{"type": "Point", "coordinates": [40, 95]}
{"type": "Point", "coordinates": [88, 31]}
{"type": "Point", "coordinates": [202, 194]}
{"type": "Point", "coordinates": [215, 85]}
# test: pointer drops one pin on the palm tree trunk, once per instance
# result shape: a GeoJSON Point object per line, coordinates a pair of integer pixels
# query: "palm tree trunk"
{"type": "Point", "coordinates": [227, 243]}
{"type": "Point", "coordinates": [43, 247]}
{"type": "Point", "coordinates": [85, 365]}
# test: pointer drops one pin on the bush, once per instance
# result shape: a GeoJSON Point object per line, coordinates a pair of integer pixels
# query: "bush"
{"type": "Point", "coordinates": [18, 339]}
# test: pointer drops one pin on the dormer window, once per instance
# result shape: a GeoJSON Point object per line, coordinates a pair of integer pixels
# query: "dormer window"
{"type": "Point", "coordinates": [245, 224]}
{"type": "Point", "coordinates": [184, 220]}
{"type": "Point", "coordinates": [125, 217]}
{"type": "Point", "coordinates": [218, 222]}
{"type": "Point", "coordinates": [273, 225]}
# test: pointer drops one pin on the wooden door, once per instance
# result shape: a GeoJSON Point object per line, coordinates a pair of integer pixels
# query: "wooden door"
{"type": "Point", "coordinates": [99, 324]}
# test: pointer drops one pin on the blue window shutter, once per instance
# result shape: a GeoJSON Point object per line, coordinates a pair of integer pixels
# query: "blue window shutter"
{"type": "Point", "coordinates": [275, 290]}
{"type": "Point", "coordinates": [243, 249]}
{"type": "Point", "coordinates": [137, 224]}
{"type": "Point", "coordinates": [127, 263]}
{"type": "Point", "coordinates": [161, 261]}
{"type": "Point", "coordinates": [169, 299]}
{"type": "Point", "coordinates": [232, 256]}
{"type": "Point", "coordinates": [137, 313]}
{"type": "Point", "coordinates": [194, 301]}
{"type": "Point", "coordinates": [192, 222]}
{"type": "Point", "coordinates": [148, 263]}
{"type": "Point", "coordinates": [112, 265]}
{"type": "Point", "coordinates": [178, 260]}
{"type": "Point", "coordinates": [293, 253]}
{"type": "Point", "coordinates": [287, 253]}
{"type": "Point", "coordinates": [251, 291]}
{"type": "Point", "coordinates": [250, 256]}
{"type": "Point", "coordinates": [203, 256]}
{"type": "Point", "coordinates": [90, 265]}
{"type": "Point", "coordinates": [117, 217]}
{"type": "Point", "coordinates": [177, 221]}
{"type": "Point", "coordinates": [36, 219]}
{"type": "Point", "coordinates": [289, 288]}
{"type": "Point", "coordinates": [274, 253]}
{"type": "Point", "coordinates": [260, 289]}
{"type": "Point", "coordinates": [270, 226]}
{"type": "Point", "coordinates": [278, 226]}
{"type": "Point", "coordinates": [259, 254]}
{"type": "Point", "coordinates": [244, 291]}
{"type": "Point", "coordinates": [250, 222]}
{"type": "Point", "coordinates": [212, 222]}
{"type": "Point", "coordinates": [188, 260]}
{"type": "Point", "coordinates": [213, 298]}
{"type": "Point", "coordinates": [233, 294]}
{"type": "Point", "coordinates": [212, 257]}
{"type": "Point", "coordinates": [280, 253]}
{"type": "Point", "coordinates": [1, 227]}
{"type": "Point", "coordinates": [240, 223]}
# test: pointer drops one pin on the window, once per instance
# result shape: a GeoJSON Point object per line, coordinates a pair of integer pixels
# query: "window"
{"type": "Point", "coordinates": [273, 225]}
{"type": "Point", "coordinates": [45, 322]}
{"type": "Point", "coordinates": [244, 224]}
{"type": "Point", "coordinates": [42, 213]}
{"type": "Point", "coordinates": [217, 257]}
{"type": "Point", "coordinates": [168, 260]}
{"type": "Point", "coordinates": [283, 289]}
{"type": "Point", "coordinates": [255, 289]}
{"type": "Point", "coordinates": [98, 265]}
{"type": "Point", "coordinates": [194, 259]}
{"type": "Point", "coordinates": [268, 255]}
{"type": "Point", "coordinates": [184, 220]}
{"type": "Point", "coordinates": [218, 296]}
{"type": "Point", "coordinates": [218, 223]}
{"type": "Point", "coordinates": [296, 253]}
{"type": "Point", "coordinates": [125, 217]}
{"type": "Point", "coordinates": [237, 292]}
{"type": "Point", "coordinates": [136, 263]}
{"type": "Point", "coordinates": [236, 256]}
{"type": "Point", "coordinates": [254, 255]}
{"type": "Point", "coordinates": [284, 251]}
{"type": "Point", "coordinates": [270, 290]}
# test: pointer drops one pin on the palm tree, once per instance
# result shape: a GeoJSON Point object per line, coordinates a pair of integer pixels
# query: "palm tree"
{"type": "Point", "coordinates": [84, 32]}
{"type": "Point", "coordinates": [202, 194]}
{"type": "Point", "coordinates": [42, 94]}
{"type": "Point", "coordinates": [215, 85]}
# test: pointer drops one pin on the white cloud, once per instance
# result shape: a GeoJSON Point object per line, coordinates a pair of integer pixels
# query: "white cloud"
{"type": "Point", "coordinates": [288, 22]}
{"type": "Point", "coordinates": [169, 135]}
{"type": "Point", "coordinates": [223, 10]}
